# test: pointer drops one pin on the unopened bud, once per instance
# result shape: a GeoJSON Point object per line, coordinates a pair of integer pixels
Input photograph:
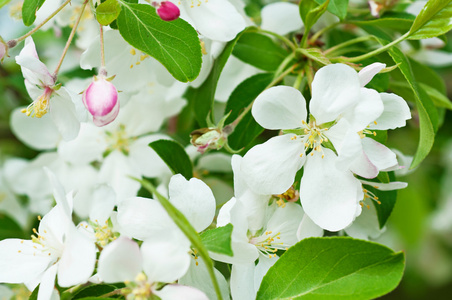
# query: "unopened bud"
{"type": "Point", "coordinates": [101, 100]}
{"type": "Point", "coordinates": [208, 138]}
{"type": "Point", "coordinates": [3, 50]}
{"type": "Point", "coordinates": [167, 10]}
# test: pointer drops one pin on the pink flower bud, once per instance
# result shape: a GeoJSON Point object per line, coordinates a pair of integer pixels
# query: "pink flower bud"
{"type": "Point", "coordinates": [101, 100]}
{"type": "Point", "coordinates": [3, 50]}
{"type": "Point", "coordinates": [168, 11]}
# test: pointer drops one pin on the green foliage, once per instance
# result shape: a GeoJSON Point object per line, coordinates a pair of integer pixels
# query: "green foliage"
{"type": "Point", "coordinates": [108, 11]}
{"type": "Point", "coordinates": [174, 155]}
{"type": "Point", "coordinates": [260, 51]}
{"type": "Point", "coordinates": [243, 95]}
{"type": "Point", "coordinates": [94, 290]}
{"type": "Point", "coordinates": [4, 2]}
{"type": "Point", "coordinates": [387, 201]}
{"type": "Point", "coordinates": [9, 228]}
{"type": "Point", "coordinates": [399, 21]}
{"type": "Point", "coordinates": [175, 44]}
{"type": "Point", "coordinates": [218, 240]}
{"type": "Point", "coordinates": [336, 7]}
{"type": "Point", "coordinates": [333, 268]}
{"type": "Point", "coordinates": [311, 11]}
{"type": "Point", "coordinates": [433, 20]}
{"type": "Point", "coordinates": [29, 9]}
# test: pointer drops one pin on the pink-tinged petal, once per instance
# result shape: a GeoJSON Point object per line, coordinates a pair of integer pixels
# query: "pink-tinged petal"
{"type": "Point", "coordinates": [164, 261]}
{"type": "Point", "coordinates": [62, 111]}
{"type": "Point", "coordinates": [76, 265]}
{"type": "Point", "coordinates": [366, 111]}
{"type": "Point", "coordinates": [367, 73]}
{"type": "Point", "coordinates": [194, 199]}
{"type": "Point", "coordinates": [363, 166]}
{"type": "Point", "coordinates": [20, 262]}
{"type": "Point", "coordinates": [335, 89]}
{"type": "Point", "coordinates": [280, 107]}
{"type": "Point", "coordinates": [37, 133]}
{"type": "Point", "coordinates": [120, 261]}
{"type": "Point", "coordinates": [47, 283]}
{"type": "Point", "coordinates": [329, 196]}
{"type": "Point", "coordinates": [308, 229]}
{"type": "Point", "coordinates": [395, 113]}
{"type": "Point", "coordinates": [177, 292]}
{"type": "Point", "coordinates": [390, 186]}
{"type": "Point", "coordinates": [101, 100]}
{"type": "Point", "coordinates": [281, 17]}
{"type": "Point", "coordinates": [270, 168]}
{"type": "Point", "coordinates": [380, 155]}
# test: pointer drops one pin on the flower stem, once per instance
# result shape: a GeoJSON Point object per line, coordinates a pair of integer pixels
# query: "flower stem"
{"type": "Point", "coordinates": [348, 43]}
{"type": "Point", "coordinates": [282, 38]}
{"type": "Point", "coordinates": [43, 22]}
{"type": "Point", "coordinates": [71, 36]}
{"type": "Point", "coordinates": [316, 36]}
{"type": "Point", "coordinates": [102, 52]}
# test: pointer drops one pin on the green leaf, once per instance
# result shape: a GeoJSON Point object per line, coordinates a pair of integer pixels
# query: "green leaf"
{"type": "Point", "coordinates": [29, 9]}
{"type": "Point", "coordinates": [260, 51]}
{"type": "Point", "coordinates": [34, 294]}
{"type": "Point", "coordinates": [433, 20]}
{"type": "Point", "coordinates": [174, 155]}
{"type": "Point", "coordinates": [310, 12]}
{"type": "Point", "coordinates": [438, 98]}
{"type": "Point", "coordinates": [426, 75]}
{"type": "Point", "coordinates": [108, 11]}
{"type": "Point", "coordinates": [315, 55]}
{"type": "Point", "coordinates": [333, 268]}
{"type": "Point", "coordinates": [9, 228]}
{"type": "Point", "coordinates": [202, 98]}
{"type": "Point", "coordinates": [94, 290]}
{"type": "Point", "coordinates": [387, 201]}
{"type": "Point", "coordinates": [428, 116]}
{"type": "Point", "coordinates": [336, 7]}
{"type": "Point", "coordinates": [243, 95]}
{"type": "Point", "coordinates": [4, 2]}
{"type": "Point", "coordinates": [175, 44]}
{"type": "Point", "coordinates": [399, 21]}
{"type": "Point", "coordinates": [218, 240]}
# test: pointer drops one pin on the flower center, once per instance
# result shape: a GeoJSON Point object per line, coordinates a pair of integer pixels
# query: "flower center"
{"type": "Point", "coordinates": [369, 195]}
{"type": "Point", "coordinates": [139, 289]}
{"type": "Point", "coordinates": [136, 57]}
{"type": "Point", "coordinates": [103, 233]}
{"type": "Point", "coordinates": [268, 243]}
{"type": "Point", "coordinates": [40, 106]}
{"type": "Point", "coordinates": [119, 140]}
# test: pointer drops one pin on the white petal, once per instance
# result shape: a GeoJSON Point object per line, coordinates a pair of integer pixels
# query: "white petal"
{"type": "Point", "coordinates": [366, 111]}
{"type": "Point", "coordinates": [367, 73]}
{"type": "Point", "coordinates": [380, 155]}
{"type": "Point", "coordinates": [281, 17]}
{"type": "Point", "coordinates": [120, 261]}
{"type": "Point", "coordinates": [330, 197]}
{"type": "Point", "coordinates": [395, 113]}
{"type": "Point", "coordinates": [280, 107]}
{"type": "Point", "coordinates": [270, 168]}
{"type": "Point", "coordinates": [76, 265]}
{"type": "Point", "coordinates": [62, 111]}
{"type": "Point", "coordinates": [47, 283]}
{"type": "Point", "coordinates": [59, 193]}
{"type": "Point", "coordinates": [308, 229]}
{"type": "Point", "coordinates": [146, 159]}
{"type": "Point", "coordinates": [194, 199]}
{"type": "Point", "coordinates": [363, 166]}
{"type": "Point", "coordinates": [265, 263]}
{"type": "Point", "coordinates": [177, 292]}
{"type": "Point", "coordinates": [242, 281]}
{"type": "Point", "coordinates": [103, 202]}
{"type": "Point", "coordinates": [285, 221]}
{"type": "Point", "coordinates": [365, 226]}
{"type": "Point", "coordinates": [164, 261]}
{"type": "Point", "coordinates": [390, 186]}
{"type": "Point", "coordinates": [39, 134]}
{"type": "Point", "coordinates": [335, 89]}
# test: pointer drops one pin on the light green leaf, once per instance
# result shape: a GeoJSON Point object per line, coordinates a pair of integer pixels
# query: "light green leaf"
{"type": "Point", "coordinates": [175, 44]}
{"type": "Point", "coordinates": [333, 268]}
{"type": "Point", "coordinates": [315, 55]}
{"type": "Point", "coordinates": [29, 9]}
{"type": "Point", "coordinates": [311, 11]}
{"type": "Point", "coordinates": [438, 98]}
{"type": "Point", "coordinates": [399, 21]}
{"type": "Point", "coordinates": [218, 240]}
{"type": "Point", "coordinates": [434, 19]}
{"type": "Point", "coordinates": [336, 7]}
{"type": "Point", "coordinates": [4, 2]}
{"type": "Point", "coordinates": [108, 11]}
{"type": "Point", "coordinates": [174, 155]}
{"type": "Point", "coordinates": [260, 51]}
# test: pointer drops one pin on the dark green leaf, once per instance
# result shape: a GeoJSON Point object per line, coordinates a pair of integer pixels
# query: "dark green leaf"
{"type": "Point", "coordinates": [426, 75]}
{"type": "Point", "coordinates": [34, 294]}
{"type": "Point", "coordinates": [218, 240]}
{"type": "Point", "coordinates": [243, 95]}
{"type": "Point", "coordinates": [260, 51]}
{"type": "Point", "coordinates": [175, 44]}
{"type": "Point", "coordinates": [333, 268]}
{"type": "Point", "coordinates": [108, 11]}
{"type": "Point", "coordinates": [29, 9]}
{"type": "Point", "coordinates": [311, 11]}
{"type": "Point", "coordinates": [433, 20]}
{"type": "Point", "coordinates": [174, 155]}
{"type": "Point", "coordinates": [336, 7]}
{"type": "Point", "coordinates": [94, 290]}
{"type": "Point", "coordinates": [202, 98]}
{"type": "Point", "coordinates": [9, 228]}
{"type": "Point", "coordinates": [387, 200]}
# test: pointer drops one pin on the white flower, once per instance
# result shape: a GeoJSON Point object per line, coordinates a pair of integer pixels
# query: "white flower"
{"type": "Point", "coordinates": [281, 17]}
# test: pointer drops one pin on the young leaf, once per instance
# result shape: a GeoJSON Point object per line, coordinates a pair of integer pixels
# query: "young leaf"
{"type": "Point", "coordinates": [29, 9]}
{"type": "Point", "coordinates": [243, 95]}
{"type": "Point", "coordinates": [174, 155]}
{"type": "Point", "coordinates": [9, 228]}
{"type": "Point", "coordinates": [333, 268]}
{"type": "Point", "coordinates": [107, 12]}
{"type": "Point", "coordinates": [433, 20]}
{"type": "Point", "coordinates": [202, 98]}
{"type": "Point", "coordinates": [218, 240]}
{"type": "Point", "coordinates": [4, 2]}
{"type": "Point", "coordinates": [175, 44]}
{"type": "Point", "coordinates": [336, 7]}
{"type": "Point", "coordinates": [311, 11]}
{"type": "Point", "coordinates": [260, 51]}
